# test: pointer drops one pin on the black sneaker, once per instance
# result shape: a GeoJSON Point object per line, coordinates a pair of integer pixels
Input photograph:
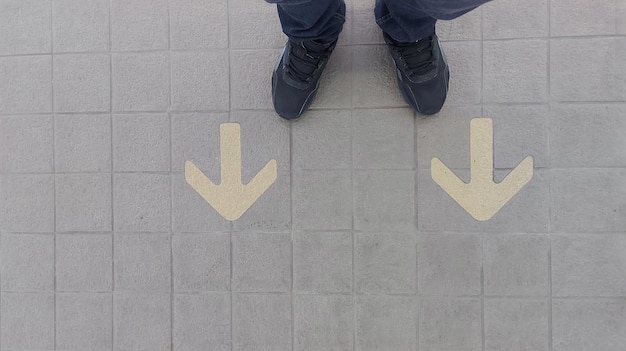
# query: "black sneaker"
{"type": "Point", "coordinates": [423, 73]}
{"type": "Point", "coordinates": [296, 76]}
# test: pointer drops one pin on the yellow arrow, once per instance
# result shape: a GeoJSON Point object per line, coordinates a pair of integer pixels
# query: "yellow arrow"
{"type": "Point", "coordinates": [482, 198]}
{"type": "Point", "coordinates": [231, 198]}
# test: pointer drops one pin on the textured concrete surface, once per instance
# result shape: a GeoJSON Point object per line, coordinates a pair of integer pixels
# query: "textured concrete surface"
{"type": "Point", "coordinates": [104, 246]}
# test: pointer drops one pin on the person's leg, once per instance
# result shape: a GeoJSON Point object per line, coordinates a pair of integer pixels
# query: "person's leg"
{"type": "Point", "coordinates": [304, 20]}
{"type": "Point", "coordinates": [313, 27]}
{"type": "Point", "coordinates": [411, 20]}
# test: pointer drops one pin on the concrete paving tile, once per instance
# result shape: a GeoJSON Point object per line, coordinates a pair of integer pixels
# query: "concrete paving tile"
{"type": "Point", "coordinates": [84, 321]}
{"type": "Point", "coordinates": [202, 322]}
{"type": "Point", "coordinates": [345, 37]}
{"type": "Point", "coordinates": [82, 83]}
{"type": "Point", "coordinates": [201, 262]}
{"type": "Point", "coordinates": [139, 25]}
{"type": "Point", "coordinates": [386, 323]}
{"type": "Point", "coordinates": [516, 325]}
{"type": "Point", "coordinates": [526, 212]}
{"type": "Point", "coordinates": [83, 202]}
{"type": "Point", "coordinates": [141, 82]}
{"type": "Point", "coordinates": [515, 71]}
{"type": "Point", "coordinates": [322, 262]}
{"type": "Point", "coordinates": [196, 138]}
{"type": "Point", "coordinates": [322, 200]}
{"type": "Point", "coordinates": [251, 80]}
{"type": "Point", "coordinates": [588, 265]}
{"type": "Point", "coordinates": [383, 139]}
{"type": "Point", "coordinates": [261, 322]}
{"type": "Point", "coordinates": [519, 131]}
{"type": "Point", "coordinates": [450, 324]}
{"type": "Point", "coordinates": [620, 14]}
{"type": "Point", "coordinates": [141, 142]}
{"type": "Point", "coordinates": [254, 25]}
{"type": "Point", "coordinates": [465, 63]}
{"type": "Point", "coordinates": [368, 32]}
{"type": "Point", "coordinates": [190, 212]}
{"type": "Point", "coordinates": [385, 263]}
{"type": "Point", "coordinates": [27, 203]}
{"type": "Point", "coordinates": [82, 143]}
{"type": "Point", "coordinates": [529, 20]}
{"type": "Point", "coordinates": [80, 26]}
{"type": "Point", "coordinates": [516, 265]}
{"type": "Point", "coordinates": [25, 26]}
{"type": "Point", "coordinates": [583, 69]}
{"type": "Point", "coordinates": [141, 322]}
{"type": "Point", "coordinates": [27, 262]}
{"type": "Point", "coordinates": [264, 136]}
{"type": "Point", "coordinates": [579, 17]}
{"type": "Point", "coordinates": [586, 200]}
{"type": "Point", "coordinates": [27, 321]}
{"type": "Point", "coordinates": [466, 27]}
{"type": "Point", "coordinates": [374, 80]}
{"type": "Point", "coordinates": [197, 24]}
{"type": "Point", "coordinates": [336, 81]}
{"type": "Point", "coordinates": [26, 84]}
{"type": "Point", "coordinates": [27, 143]}
{"type": "Point", "coordinates": [384, 201]}
{"type": "Point", "coordinates": [323, 140]}
{"type": "Point", "coordinates": [323, 322]}
{"type": "Point", "coordinates": [261, 262]}
{"type": "Point", "coordinates": [589, 135]}
{"type": "Point", "coordinates": [579, 325]}
{"type": "Point", "coordinates": [447, 132]}
{"type": "Point", "coordinates": [200, 81]}
{"type": "Point", "coordinates": [272, 211]}
{"type": "Point", "coordinates": [620, 63]}
{"type": "Point", "coordinates": [142, 262]}
{"type": "Point", "coordinates": [141, 202]}
{"type": "Point", "coordinates": [84, 262]}
{"type": "Point", "coordinates": [449, 264]}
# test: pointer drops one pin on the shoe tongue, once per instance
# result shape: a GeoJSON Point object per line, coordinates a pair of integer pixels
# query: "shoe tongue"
{"type": "Point", "coordinates": [419, 55]}
{"type": "Point", "coordinates": [312, 48]}
{"type": "Point", "coordinates": [315, 47]}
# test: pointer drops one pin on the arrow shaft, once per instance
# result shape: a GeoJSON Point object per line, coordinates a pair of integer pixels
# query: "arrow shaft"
{"type": "Point", "coordinates": [481, 150]}
{"type": "Point", "coordinates": [230, 151]}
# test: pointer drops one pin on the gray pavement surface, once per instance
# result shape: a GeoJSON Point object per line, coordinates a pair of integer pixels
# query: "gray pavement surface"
{"type": "Point", "coordinates": [104, 246]}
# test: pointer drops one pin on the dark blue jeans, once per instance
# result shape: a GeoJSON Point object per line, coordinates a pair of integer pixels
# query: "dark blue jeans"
{"type": "Point", "coordinates": [403, 20]}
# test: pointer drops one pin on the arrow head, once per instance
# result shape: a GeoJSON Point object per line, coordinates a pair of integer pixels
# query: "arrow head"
{"type": "Point", "coordinates": [482, 198]}
{"type": "Point", "coordinates": [231, 199]}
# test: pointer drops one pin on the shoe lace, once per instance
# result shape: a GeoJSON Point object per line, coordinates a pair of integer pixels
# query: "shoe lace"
{"type": "Point", "coordinates": [418, 57]}
{"type": "Point", "coordinates": [304, 61]}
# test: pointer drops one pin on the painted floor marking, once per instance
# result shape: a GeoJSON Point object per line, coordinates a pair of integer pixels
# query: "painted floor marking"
{"type": "Point", "coordinates": [231, 198]}
{"type": "Point", "coordinates": [482, 198]}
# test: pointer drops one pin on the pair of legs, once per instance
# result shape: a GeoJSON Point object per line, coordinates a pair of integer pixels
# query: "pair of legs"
{"type": "Point", "coordinates": [403, 20]}
{"type": "Point", "coordinates": [408, 26]}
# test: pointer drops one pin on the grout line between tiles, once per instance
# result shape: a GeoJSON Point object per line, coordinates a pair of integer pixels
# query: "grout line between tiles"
{"type": "Point", "coordinates": [54, 194]}
{"type": "Point", "coordinates": [482, 289]}
{"type": "Point", "coordinates": [353, 293]}
{"type": "Point", "coordinates": [171, 186]}
{"type": "Point", "coordinates": [112, 197]}
{"type": "Point", "coordinates": [482, 238]}
{"type": "Point", "coordinates": [549, 174]}
{"type": "Point", "coordinates": [292, 322]}
{"type": "Point", "coordinates": [231, 226]}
